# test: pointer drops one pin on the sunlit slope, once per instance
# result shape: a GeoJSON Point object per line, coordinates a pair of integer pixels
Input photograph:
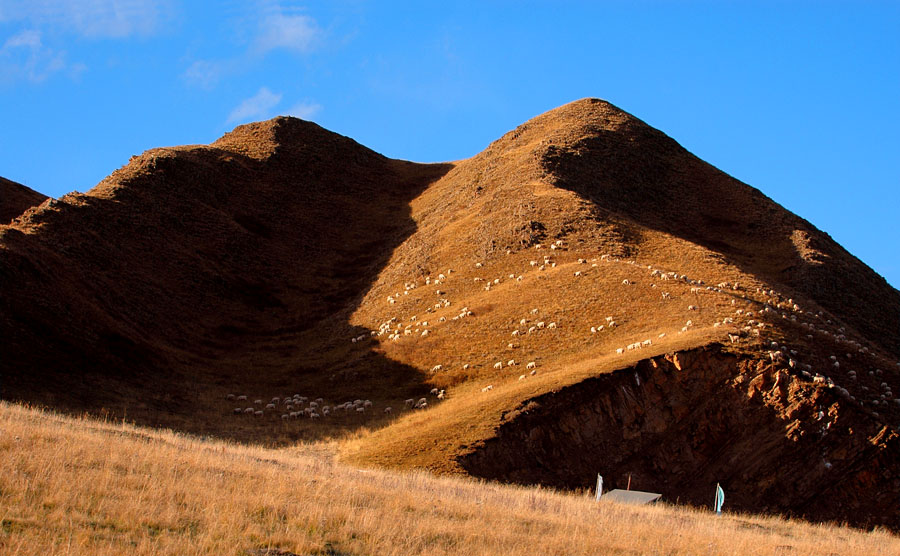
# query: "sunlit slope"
{"type": "Point", "coordinates": [537, 263]}
{"type": "Point", "coordinates": [79, 486]}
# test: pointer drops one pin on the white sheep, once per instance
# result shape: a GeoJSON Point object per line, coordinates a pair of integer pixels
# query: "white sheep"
{"type": "Point", "coordinates": [551, 325]}
{"type": "Point", "coordinates": [488, 388]}
{"type": "Point", "coordinates": [498, 365]}
{"type": "Point", "coordinates": [531, 365]}
{"type": "Point", "coordinates": [436, 368]}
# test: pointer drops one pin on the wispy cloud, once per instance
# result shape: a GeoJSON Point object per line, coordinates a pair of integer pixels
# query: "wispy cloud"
{"type": "Point", "coordinates": [269, 26]}
{"type": "Point", "coordinates": [206, 73]}
{"type": "Point", "coordinates": [24, 56]}
{"type": "Point", "coordinates": [291, 32]}
{"type": "Point", "coordinates": [257, 107]}
{"type": "Point", "coordinates": [92, 18]}
{"type": "Point", "coordinates": [305, 110]}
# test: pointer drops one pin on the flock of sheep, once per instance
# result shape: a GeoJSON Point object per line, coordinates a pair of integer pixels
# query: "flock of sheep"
{"type": "Point", "coordinates": [745, 321]}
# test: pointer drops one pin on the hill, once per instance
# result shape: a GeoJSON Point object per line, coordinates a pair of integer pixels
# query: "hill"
{"type": "Point", "coordinates": [16, 198]}
{"type": "Point", "coordinates": [103, 488]}
{"type": "Point", "coordinates": [590, 296]}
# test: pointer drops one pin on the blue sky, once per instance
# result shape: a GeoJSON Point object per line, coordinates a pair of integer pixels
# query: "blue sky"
{"type": "Point", "coordinates": [799, 99]}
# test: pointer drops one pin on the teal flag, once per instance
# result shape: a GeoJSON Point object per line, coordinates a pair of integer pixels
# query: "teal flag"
{"type": "Point", "coordinates": [720, 498]}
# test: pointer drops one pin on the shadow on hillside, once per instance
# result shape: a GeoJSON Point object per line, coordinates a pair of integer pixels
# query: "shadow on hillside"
{"type": "Point", "coordinates": [206, 272]}
{"type": "Point", "coordinates": [678, 429]}
{"type": "Point", "coordinates": [649, 179]}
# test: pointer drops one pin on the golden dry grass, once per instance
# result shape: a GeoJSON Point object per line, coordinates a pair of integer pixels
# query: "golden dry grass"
{"type": "Point", "coordinates": [81, 486]}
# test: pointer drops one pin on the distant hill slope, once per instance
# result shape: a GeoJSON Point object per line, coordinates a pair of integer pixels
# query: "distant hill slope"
{"type": "Point", "coordinates": [16, 198]}
{"type": "Point", "coordinates": [589, 296]}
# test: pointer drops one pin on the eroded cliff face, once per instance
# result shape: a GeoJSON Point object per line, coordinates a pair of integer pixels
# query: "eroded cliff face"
{"type": "Point", "coordinates": [679, 424]}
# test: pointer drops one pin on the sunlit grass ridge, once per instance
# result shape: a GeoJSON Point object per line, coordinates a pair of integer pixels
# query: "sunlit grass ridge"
{"type": "Point", "coordinates": [82, 486]}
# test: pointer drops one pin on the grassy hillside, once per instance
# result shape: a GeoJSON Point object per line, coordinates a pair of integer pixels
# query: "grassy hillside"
{"type": "Point", "coordinates": [583, 296]}
{"type": "Point", "coordinates": [83, 486]}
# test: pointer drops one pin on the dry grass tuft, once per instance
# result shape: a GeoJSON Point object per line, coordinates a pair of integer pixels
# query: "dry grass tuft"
{"type": "Point", "coordinates": [81, 486]}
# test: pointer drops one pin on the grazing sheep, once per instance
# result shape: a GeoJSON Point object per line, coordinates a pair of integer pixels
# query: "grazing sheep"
{"type": "Point", "coordinates": [441, 395]}
{"type": "Point", "coordinates": [238, 410]}
{"type": "Point", "coordinates": [488, 388]}
{"type": "Point", "coordinates": [434, 391]}
{"type": "Point", "coordinates": [620, 351]}
{"type": "Point", "coordinates": [511, 363]}
{"type": "Point", "coordinates": [626, 282]}
{"type": "Point", "coordinates": [257, 402]}
{"type": "Point", "coordinates": [258, 413]}
{"type": "Point", "coordinates": [229, 397]}
{"type": "Point", "coordinates": [541, 324]}
{"type": "Point", "coordinates": [285, 416]}
{"type": "Point", "coordinates": [409, 402]}
{"type": "Point", "coordinates": [242, 398]}
{"type": "Point", "coordinates": [551, 325]}
{"type": "Point", "coordinates": [531, 365]}
{"type": "Point", "coordinates": [388, 409]}
{"type": "Point", "coordinates": [498, 365]}
{"type": "Point", "coordinates": [436, 368]}
{"type": "Point", "coordinates": [465, 367]}
{"type": "Point", "coordinates": [270, 406]}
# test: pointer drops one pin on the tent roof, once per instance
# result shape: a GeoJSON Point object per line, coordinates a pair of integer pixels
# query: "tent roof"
{"type": "Point", "coordinates": [631, 496]}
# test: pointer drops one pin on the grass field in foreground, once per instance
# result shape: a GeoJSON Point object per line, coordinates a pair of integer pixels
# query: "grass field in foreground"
{"type": "Point", "coordinates": [82, 486]}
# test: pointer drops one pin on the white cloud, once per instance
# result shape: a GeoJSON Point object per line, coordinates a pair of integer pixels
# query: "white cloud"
{"type": "Point", "coordinates": [291, 32]}
{"type": "Point", "coordinates": [257, 107]}
{"type": "Point", "coordinates": [205, 74]}
{"type": "Point", "coordinates": [28, 38]}
{"type": "Point", "coordinates": [265, 26]}
{"type": "Point", "coordinates": [304, 110]}
{"type": "Point", "coordinates": [24, 56]}
{"type": "Point", "coordinates": [92, 18]}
